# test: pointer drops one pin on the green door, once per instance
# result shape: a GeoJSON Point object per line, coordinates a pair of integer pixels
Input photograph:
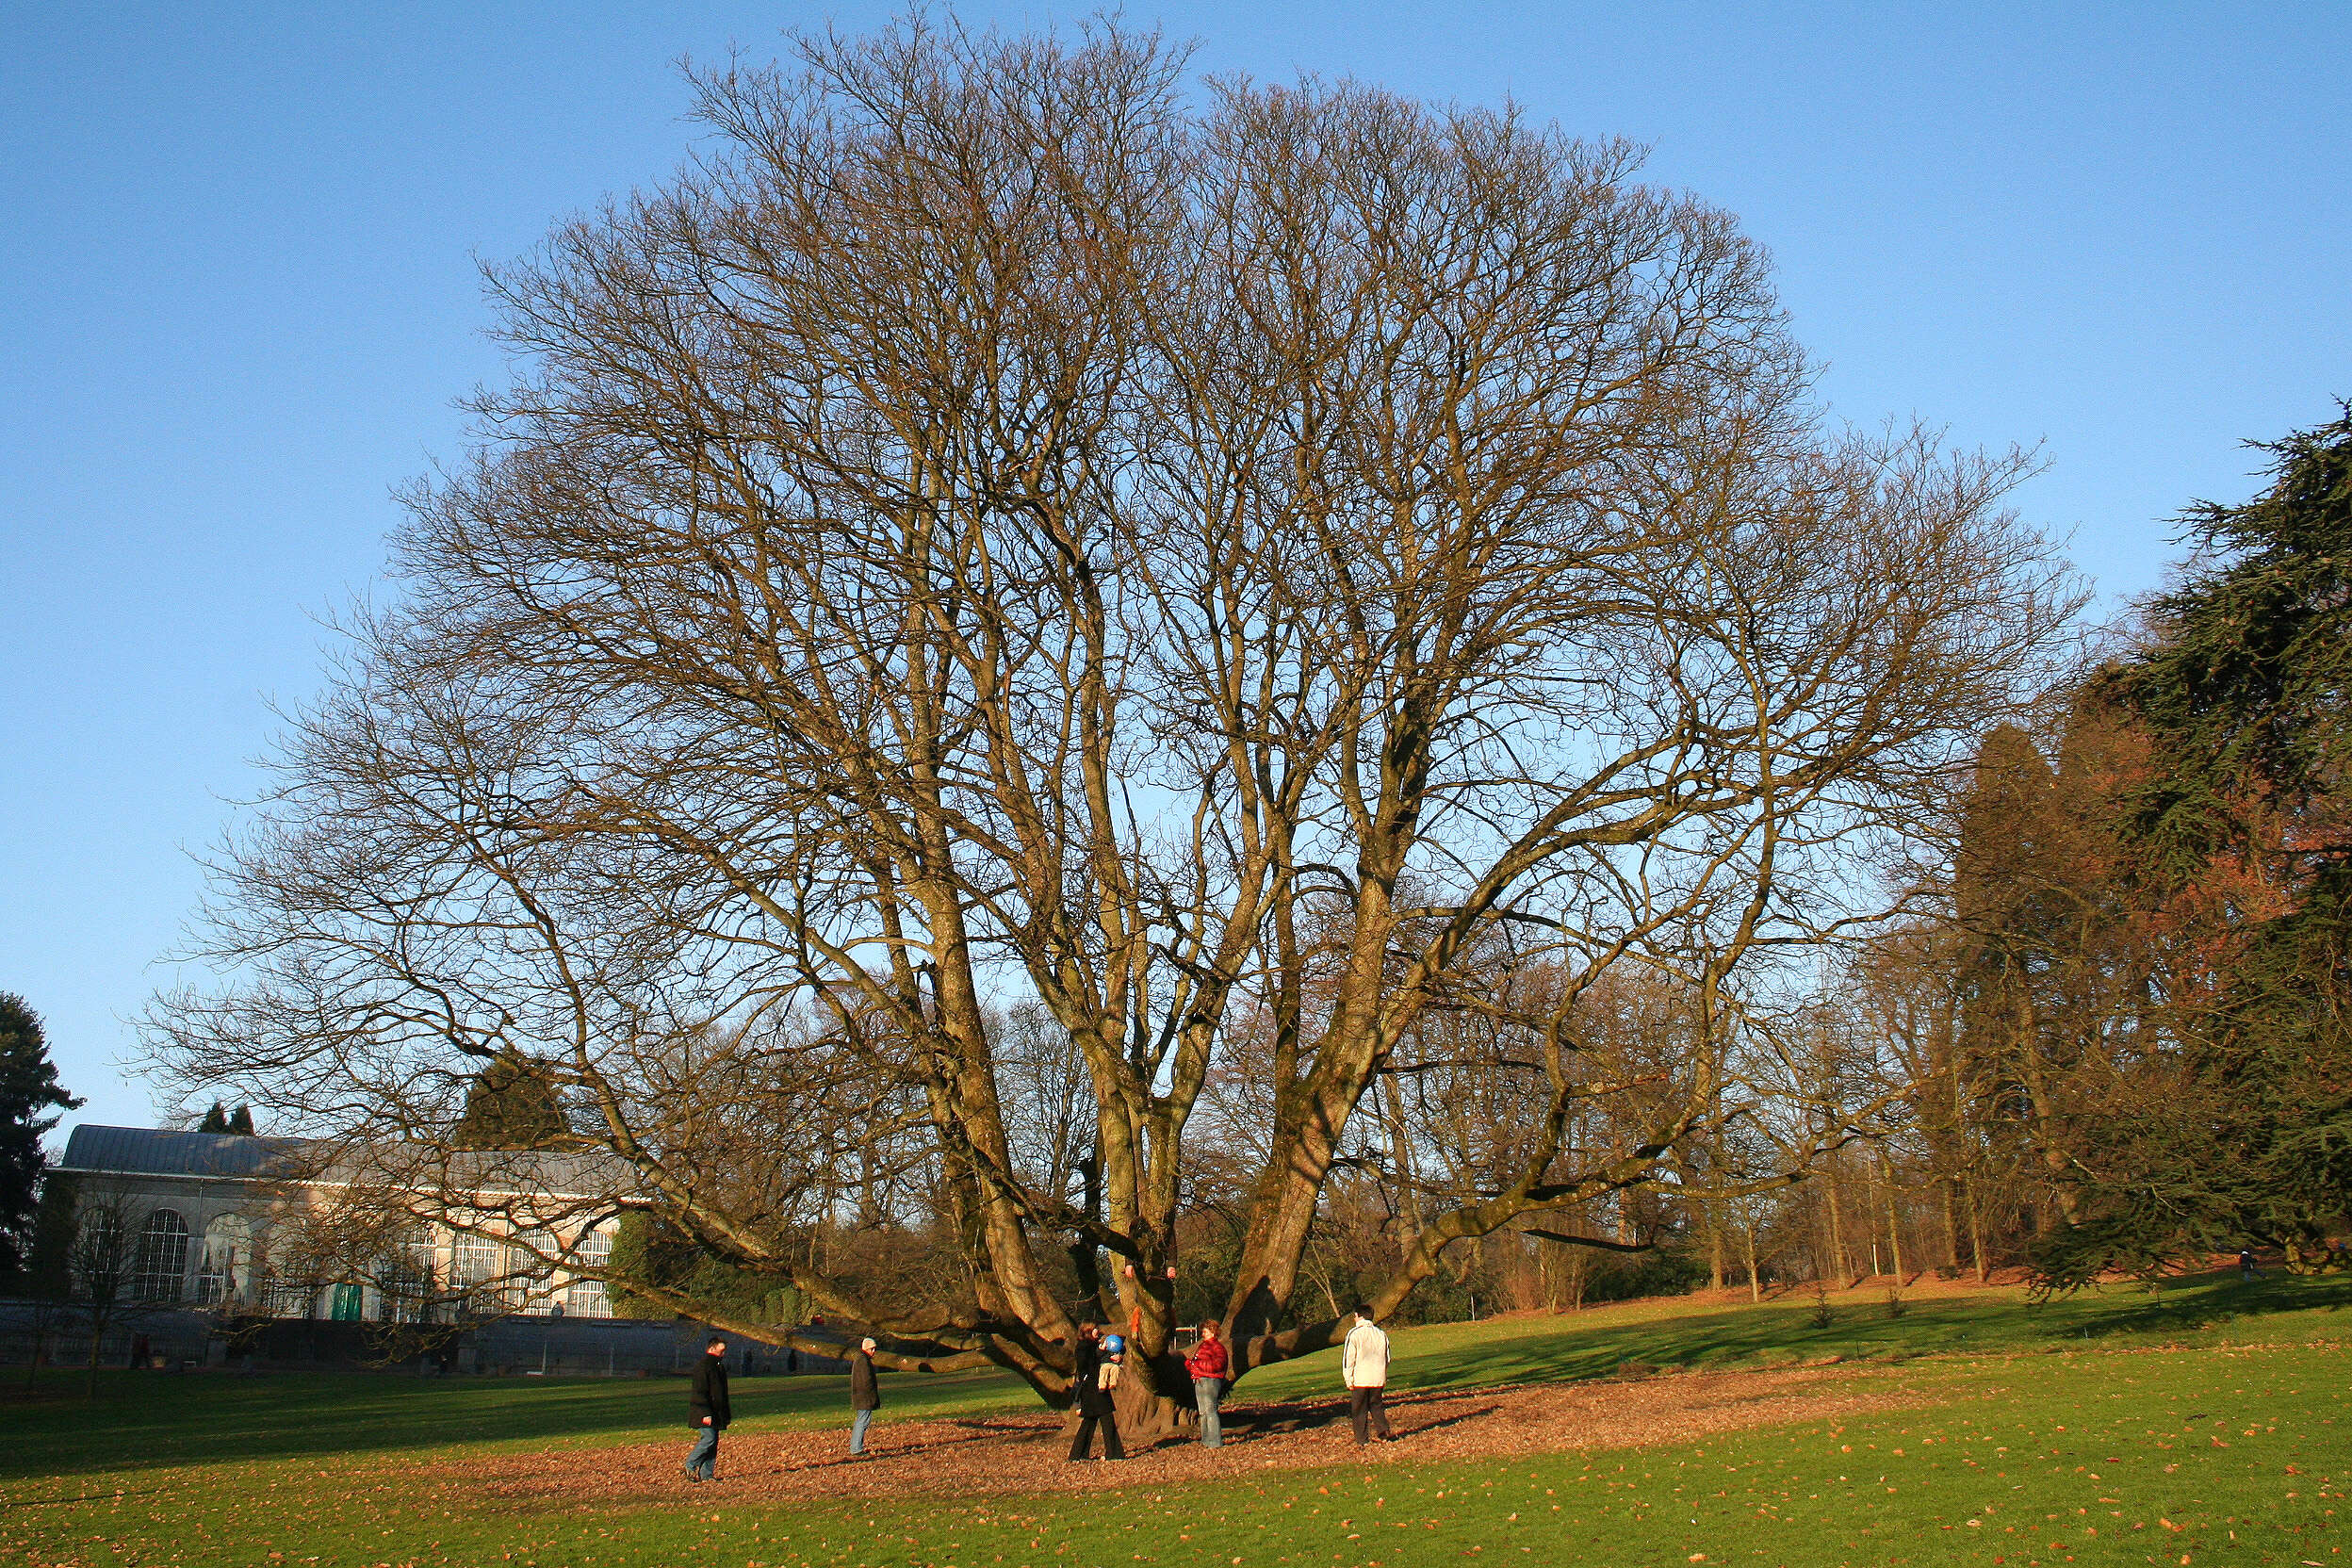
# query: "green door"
{"type": "Point", "coordinates": [345, 1308]}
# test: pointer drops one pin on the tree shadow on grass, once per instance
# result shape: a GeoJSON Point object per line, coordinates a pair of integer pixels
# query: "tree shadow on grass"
{"type": "Point", "coordinates": [107, 1497]}
{"type": "Point", "coordinates": [1554, 1349]}
{"type": "Point", "coordinates": [966, 1433]}
{"type": "Point", "coordinates": [146, 1420]}
{"type": "Point", "coordinates": [1457, 1418]}
{"type": "Point", "coordinates": [1286, 1416]}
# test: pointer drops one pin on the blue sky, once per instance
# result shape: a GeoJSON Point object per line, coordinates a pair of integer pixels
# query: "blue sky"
{"type": "Point", "coordinates": [237, 294]}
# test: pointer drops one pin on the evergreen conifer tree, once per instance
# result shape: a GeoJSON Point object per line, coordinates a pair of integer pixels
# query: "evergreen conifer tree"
{"type": "Point", "coordinates": [2243, 832]}
{"type": "Point", "coordinates": [512, 1104]}
{"type": "Point", "coordinates": [32, 1099]}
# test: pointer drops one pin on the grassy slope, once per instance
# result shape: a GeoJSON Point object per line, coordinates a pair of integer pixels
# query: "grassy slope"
{"type": "Point", "coordinates": [2034, 1449]}
{"type": "Point", "coordinates": [1946, 1320]}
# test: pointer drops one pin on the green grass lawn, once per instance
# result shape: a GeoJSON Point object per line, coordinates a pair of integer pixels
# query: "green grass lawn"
{"type": "Point", "coordinates": [2043, 1439]}
{"type": "Point", "coordinates": [2211, 1309]}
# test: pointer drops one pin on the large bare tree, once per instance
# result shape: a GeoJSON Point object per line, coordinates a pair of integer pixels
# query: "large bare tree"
{"type": "Point", "coordinates": [1222, 568]}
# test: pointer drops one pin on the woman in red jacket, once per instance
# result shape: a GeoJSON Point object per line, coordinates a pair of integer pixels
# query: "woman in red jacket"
{"type": "Point", "coordinates": [1208, 1364]}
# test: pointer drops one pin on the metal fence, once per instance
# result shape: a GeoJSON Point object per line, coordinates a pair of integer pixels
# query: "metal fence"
{"type": "Point", "coordinates": [177, 1339]}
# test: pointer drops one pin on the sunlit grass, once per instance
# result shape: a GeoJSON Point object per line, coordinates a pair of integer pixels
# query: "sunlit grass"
{"type": "Point", "coordinates": [2211, 1309]}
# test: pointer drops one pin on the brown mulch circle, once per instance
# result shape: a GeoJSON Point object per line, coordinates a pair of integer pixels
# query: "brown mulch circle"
{"type": "Point", "coordinates": [974, 1456]}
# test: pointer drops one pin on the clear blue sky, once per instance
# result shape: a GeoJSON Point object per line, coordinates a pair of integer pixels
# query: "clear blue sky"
{"type": "Point", "coordinates": [238, 295]}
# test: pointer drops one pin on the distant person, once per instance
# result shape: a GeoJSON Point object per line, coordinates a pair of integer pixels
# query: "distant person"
{"type": "Point", "coordinates": [2247, 1269]}
{"type": "Point", "coordinates": [708, 1408]}
{"type": "Point", "coordinates": [865, 1396]}
{"type": "Point", "coordinates": [1093, 1376]}
{"type": "Point", "coordinates": [1208, 1364]}
{"type": "Point", "coordinates": [1363, 1367]}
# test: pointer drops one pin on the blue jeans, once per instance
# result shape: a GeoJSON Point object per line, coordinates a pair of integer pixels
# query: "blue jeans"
{"type": "Point", "coordinates": [857, 1420]}
{"type": "Point", "coordinates": [703, 1459]}
{"type": "Point", "coordinates": [1206, 1392]}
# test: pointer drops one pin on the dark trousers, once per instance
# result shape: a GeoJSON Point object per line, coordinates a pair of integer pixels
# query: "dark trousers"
{"type": "Point", "coordinates": [704, 1459]}
{"type": "Point", "coordinates": [1365, 1410]}
{"type": "Point", "coordinates": [1085, 1440]}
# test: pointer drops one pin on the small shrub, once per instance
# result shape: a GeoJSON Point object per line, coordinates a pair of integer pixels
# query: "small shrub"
{"type": "Point", "coordinates": [1824, 1316]}
{"type": "Point", "coordinates": [1896, 1305]}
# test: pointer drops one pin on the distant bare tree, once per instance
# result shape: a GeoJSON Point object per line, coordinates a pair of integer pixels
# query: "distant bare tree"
{"type": "Point", "coordinates": [107, 1260]}
{"type": "Point", "coordinates": [990, 535]}
{"type": "Point", "coordinates": [1049, 1104]}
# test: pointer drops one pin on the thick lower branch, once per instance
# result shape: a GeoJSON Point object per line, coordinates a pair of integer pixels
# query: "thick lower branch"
{"type": "Point", "coordinates": [1600, 1243]}
{"type": "Point", "coordinates": [933, 1359]}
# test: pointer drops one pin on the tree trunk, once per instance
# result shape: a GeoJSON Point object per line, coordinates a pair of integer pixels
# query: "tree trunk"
{"type": "Point", "coordinates": [1837, 1227]}
{"type": "Point", "coordinates": [2046, 1131]}
{"type": "Point", "coordinates": [1401, 1153]}
{"type": "Point", "coordinates": [1146, 1401]}
{"type": "Point", "coordinates": [1894, 1217]}
{"type": "Point", "coordinates": [1952, 1224]}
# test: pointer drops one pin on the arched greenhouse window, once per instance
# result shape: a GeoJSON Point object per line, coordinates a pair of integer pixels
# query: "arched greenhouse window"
{"type": "Point", "coordinates": [405, 1279]}
{"type": "Point", "coordinates": [477, 1272]}
{"type": "Point", "coordinates": [161, 1270]}
{"type": "Point", "coordinates": [587, 1298]}
{"type": "Point", "coordinates": [226, 1273]}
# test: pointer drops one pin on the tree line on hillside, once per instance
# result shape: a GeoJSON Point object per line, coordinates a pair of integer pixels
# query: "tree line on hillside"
{"type": "Point", "coordinates": [1051, 698]}
{"type": "Point", "coordinates": [2118, 1020]}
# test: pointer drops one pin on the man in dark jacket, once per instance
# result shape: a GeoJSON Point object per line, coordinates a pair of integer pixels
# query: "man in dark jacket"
{"type": "Point", "coordinates": [864, 1397]}
{"type": "Point", "coordinates": [1094, 1400]}
{"type": "Point", "coordinates": [708, 1409]}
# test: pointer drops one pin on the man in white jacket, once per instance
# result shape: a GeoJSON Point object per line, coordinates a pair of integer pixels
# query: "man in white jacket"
{"type": "Point", "coordinates": [1363, 1367]}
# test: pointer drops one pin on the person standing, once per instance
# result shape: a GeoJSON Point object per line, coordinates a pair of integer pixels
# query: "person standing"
{"type": "Point", "coordinates": [1208, 1364]}
{"type": "Point", "coordinates": [1088, 1376]}
{"type": "Point", "coordinates": [708, 1408]}
{"type": "Point", "coordinates": [865, 1396]}
{"type": "Point", "coordinates": [1363, 1367]}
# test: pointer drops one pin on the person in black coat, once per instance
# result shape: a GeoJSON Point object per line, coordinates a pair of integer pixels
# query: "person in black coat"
{"type": "Point", "coordinates": [865, 1396]}
{"type": "Point", "coordinates": [708, 1409]}
{"type": "Point", "coordinates": [1094, 1400]}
